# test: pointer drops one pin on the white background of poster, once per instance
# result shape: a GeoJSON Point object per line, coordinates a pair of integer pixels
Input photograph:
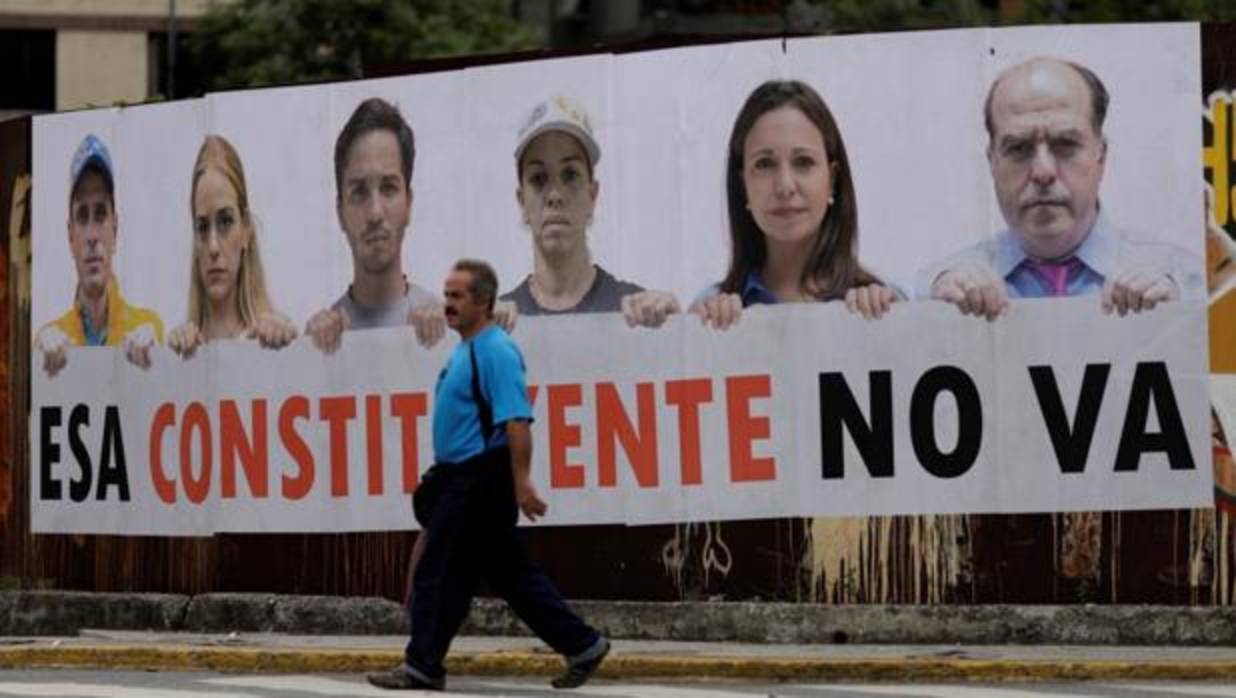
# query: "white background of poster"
{"type": "Point", "coordinates": [909, 106]}
{"type": "Point", "coordinates": [1015, 470]}
{"type": "Point", "coordinates": [910, 110]}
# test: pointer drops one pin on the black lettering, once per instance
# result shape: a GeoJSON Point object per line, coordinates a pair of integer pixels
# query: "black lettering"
{"type": "Point", "coordinates": [49, 452]}
{"type": "Point", "coordinates": [113, 451]}
{"type": "Point", "coordinates": [923, 418]}
{"type": "Point", "coordinates": [839, 411]}
{"type": "Point", "coordinates": [1071, 442]}
{"type": "Point", "coordinates": [79, 490]}
{"type": "Point", "coordinates": [1151, 382]}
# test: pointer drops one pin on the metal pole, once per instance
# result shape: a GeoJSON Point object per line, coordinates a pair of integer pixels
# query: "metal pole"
{"type": "Point", "coordinates": [171, 50]}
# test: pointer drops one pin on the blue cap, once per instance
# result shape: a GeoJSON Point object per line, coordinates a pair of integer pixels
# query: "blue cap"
{"type": "Point", "coordinates": [91, 152]}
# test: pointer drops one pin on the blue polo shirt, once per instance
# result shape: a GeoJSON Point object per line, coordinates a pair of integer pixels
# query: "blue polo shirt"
{"type": "Point", "coordinates": [456, 416]}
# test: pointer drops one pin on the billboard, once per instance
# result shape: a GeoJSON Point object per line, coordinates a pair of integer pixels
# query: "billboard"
{"type": "Point", "coordinates": [642, 212]}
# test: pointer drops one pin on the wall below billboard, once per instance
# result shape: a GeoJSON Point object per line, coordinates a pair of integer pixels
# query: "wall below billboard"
{"type": "Point", "coordinates": [1181, 556]}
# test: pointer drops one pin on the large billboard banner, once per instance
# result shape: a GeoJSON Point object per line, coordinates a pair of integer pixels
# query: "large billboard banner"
{"type": "Point", "coordinates": [237, 298]}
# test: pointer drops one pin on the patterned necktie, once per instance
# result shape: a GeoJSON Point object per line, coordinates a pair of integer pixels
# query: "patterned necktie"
{"type": "Point", "coordinates": [1055, 274]}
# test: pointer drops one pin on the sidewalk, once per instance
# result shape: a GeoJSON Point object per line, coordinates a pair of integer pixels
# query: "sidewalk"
{"type": "Point", "coordinates": [65, 613]}
{"type": "Point", "coordinates": [757, 641]}
{"type": "Point", "coordinates": [648, 659]}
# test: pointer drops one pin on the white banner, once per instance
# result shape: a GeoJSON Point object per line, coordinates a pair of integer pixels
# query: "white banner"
{"type": "Point", "coordinates": [152, 217]}
{"type": "Point", "coordinates": [681, 423]}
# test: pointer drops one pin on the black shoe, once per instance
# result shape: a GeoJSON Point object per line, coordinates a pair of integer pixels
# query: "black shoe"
{"type": "Point", "coordinates": [577, 674]}
{"type": "Point", "coordinates": [405, 678]}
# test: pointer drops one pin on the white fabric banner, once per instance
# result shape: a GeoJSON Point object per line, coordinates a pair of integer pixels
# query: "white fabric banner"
{"type": "Point", "coordinates": [800, 409]}
{"type": "Point", "coordinates": [642, 426]}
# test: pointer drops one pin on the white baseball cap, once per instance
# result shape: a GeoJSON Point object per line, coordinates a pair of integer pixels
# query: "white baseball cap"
{"type": "Point", "coordinates": [559, 114]}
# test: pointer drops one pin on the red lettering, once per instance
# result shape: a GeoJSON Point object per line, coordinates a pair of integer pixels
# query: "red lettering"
{"type": "Point", "coordinates": [613, 425]}
{"type": "Point", "coordinates": [196, 419]}
{"type": "Point", "coordinates": [373, 442]}
{"type": "Point", "coordinates": [164, 417]}
{"type": "Point", "coordinates": [743, 428]}
{"type": "Point", "coordinates": [336, 411]}
{"type": "Point", "coordinates": [296, 407]}
{"type": "Point", "coordinates": [687, 395]}
{"type": "Point", "coordinates": [253, 454]}
{"type": "Point", "coordinates": [409, 407]}
{"type": "Point", "coordinates": [563, 435]}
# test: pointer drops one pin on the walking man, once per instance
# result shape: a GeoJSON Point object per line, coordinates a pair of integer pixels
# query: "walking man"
{"type": "Point", "coordinates": [472, 497]}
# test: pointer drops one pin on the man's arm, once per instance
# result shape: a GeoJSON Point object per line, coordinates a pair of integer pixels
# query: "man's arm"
{"type": "Point", "coordinates": [974, 288]}
{"type": "Point", "coordinates": [1151, 273]}
{"type": "Point", "coordinates": [1135, 290]}
{"type": "Point", "coordinates": [54, 344]}
{"type": "Point", "coordinates": [519, 440]}
{"type": "Point", "coordinates": [325, 329]}
{"type": "Point", "coordinates": [645, 308]}
{"type": "Point", "coordinates": [968, 280]}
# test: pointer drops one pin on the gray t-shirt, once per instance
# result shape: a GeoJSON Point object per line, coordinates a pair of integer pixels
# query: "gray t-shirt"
{"type": "Point", "coordinates": [605, 296]}
{"type": "Point", "coordinates": [392, 314]}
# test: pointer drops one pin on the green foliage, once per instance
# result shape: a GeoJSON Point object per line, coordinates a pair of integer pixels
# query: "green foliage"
{"type": "Point", "coordinates": [1082, 11]}
{"type": "Point", "coordinates": [249, 43]}
{"type": "Point", "coordinates": [892, 15]}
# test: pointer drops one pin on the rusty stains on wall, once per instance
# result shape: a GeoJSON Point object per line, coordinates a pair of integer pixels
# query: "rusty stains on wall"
{"type": "Point", "coordinates": [888, 559]}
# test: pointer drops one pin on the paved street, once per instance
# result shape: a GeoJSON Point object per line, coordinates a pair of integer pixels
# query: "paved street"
{"type": "Point", "coordinates": [124, 684]}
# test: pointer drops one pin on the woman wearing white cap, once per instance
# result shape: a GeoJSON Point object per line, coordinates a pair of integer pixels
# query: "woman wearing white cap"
{"type": "Point", "coordinates": [555, 164]}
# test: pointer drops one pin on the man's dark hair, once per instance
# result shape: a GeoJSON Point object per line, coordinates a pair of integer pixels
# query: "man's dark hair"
{"type": "Point", "coordinates": [374, 114]}
{"type": "Point", "coordinates": [484, 286]}
{"type": "Point", "coordinates": [1099, 98]}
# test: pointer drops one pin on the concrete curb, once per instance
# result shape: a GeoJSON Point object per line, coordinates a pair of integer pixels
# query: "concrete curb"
{"type": "Point", "coordinates": [618, 666]}
{"type": "Point", "coordinates": [66, 612]}
{"type": "Point", "coordinates": [33, 613]}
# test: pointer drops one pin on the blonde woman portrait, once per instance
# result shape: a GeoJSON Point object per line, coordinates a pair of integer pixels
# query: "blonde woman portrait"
{"type": "Point", "coordinates": [227, 287]}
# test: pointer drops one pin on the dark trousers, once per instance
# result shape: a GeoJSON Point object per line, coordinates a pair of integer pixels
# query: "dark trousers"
{"type": "Point", "coordinates": [471, 535]}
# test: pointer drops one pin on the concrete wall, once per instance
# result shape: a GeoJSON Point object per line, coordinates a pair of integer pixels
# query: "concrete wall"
{"type": "Point", "coordinates": [111, 8]}
{"type": "Point", "coordinates": [102, 48]}
{"type": "Point", "coordinates": [96, 68]}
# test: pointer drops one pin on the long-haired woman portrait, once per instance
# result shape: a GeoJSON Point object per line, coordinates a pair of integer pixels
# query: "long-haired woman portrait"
{"type": "Point", "coordinates": [227, 286]}
{"type": "Point", "coordinates": [793, 216]}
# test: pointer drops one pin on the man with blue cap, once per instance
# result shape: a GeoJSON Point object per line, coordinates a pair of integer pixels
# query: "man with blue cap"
{"type": "Point", "coordinates": [100, 316]}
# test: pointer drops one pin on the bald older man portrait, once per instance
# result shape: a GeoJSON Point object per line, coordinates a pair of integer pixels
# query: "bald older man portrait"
{"type": "Point", "coordinates": [1047, 153]}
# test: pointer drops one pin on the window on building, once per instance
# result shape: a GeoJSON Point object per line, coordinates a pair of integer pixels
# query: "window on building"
{"type": "Point", "coordinates": [28, 76]}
